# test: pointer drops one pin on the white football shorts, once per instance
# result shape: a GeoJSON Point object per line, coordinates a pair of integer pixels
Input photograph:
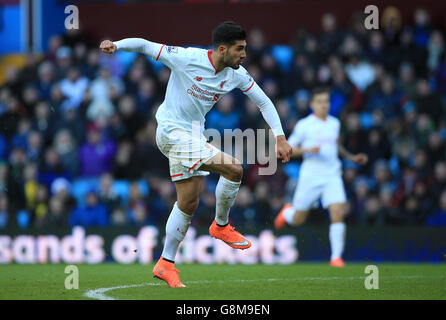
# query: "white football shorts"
{"type": "Point", "coordinates": [311, 188]}
{"type": "Point", "coordinates": [186, 153]}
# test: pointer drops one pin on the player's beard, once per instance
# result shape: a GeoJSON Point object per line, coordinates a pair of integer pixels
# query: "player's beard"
{"type": "Point", "coordinates": [228, 62]}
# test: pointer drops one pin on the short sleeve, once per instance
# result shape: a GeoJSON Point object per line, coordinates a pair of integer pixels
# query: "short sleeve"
{"type": "Point", "coordinates": [297, 136]}
{"type": "Point", "coordinates": [244, 79]}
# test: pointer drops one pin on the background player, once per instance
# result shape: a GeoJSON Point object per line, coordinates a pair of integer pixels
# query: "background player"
{"type": "Point", "coordinates": [316, 138]}
{"type": "Point", "coordinates": [199, 78]}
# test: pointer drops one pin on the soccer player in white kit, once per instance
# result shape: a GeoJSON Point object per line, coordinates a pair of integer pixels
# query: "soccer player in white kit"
{"type": "Point", "coordinates": [198, 79]}
{"type": "Point", "coordinates": [316, 138]}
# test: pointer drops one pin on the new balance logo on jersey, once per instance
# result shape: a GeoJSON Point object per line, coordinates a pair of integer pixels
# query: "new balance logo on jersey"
{"type": "Point", "coordinates": [198, 78]}
{"type": "Point", "coordinates": [222, 84]}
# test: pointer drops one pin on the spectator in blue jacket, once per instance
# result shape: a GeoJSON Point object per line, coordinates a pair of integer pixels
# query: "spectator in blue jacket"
{"type": "Point", "coordinates": [438, 218]}
{"type": "Point", "coordinates": [93, 214]}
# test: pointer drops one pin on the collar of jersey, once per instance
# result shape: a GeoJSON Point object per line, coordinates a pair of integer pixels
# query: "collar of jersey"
{"type": "Point", "coordinates": [210, 60]}
{"type": "Point", "coordinates": [319, 119]}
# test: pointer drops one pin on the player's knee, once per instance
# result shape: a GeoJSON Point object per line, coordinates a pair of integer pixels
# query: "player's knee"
{"type": "Point", "coordinates": [193, 204]}
{"type": "Point", "coordinates": [236, 173]}
{"type": "Point", "coordinates": [337, 215]}
{"type": "Point", "coordinates": [188, 206]}
{"type": "Point", "coordinates": [337, 218]}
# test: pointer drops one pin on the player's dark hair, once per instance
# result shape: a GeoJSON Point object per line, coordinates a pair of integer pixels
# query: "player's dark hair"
{"type": "Point", "coordinates": [227, 33]}
{"type": "Point", "coordinates": [319, 90]}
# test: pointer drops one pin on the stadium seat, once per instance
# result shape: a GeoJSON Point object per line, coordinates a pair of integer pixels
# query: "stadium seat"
{"type": "Point", "coordinates": [283, 55]}
{"type": "Point", "coordinates": [80, 187]}
{"type": "Point", "coordinates": [17, 60]}
{"type": "Point", "coordinates": [292, 169]}
{"type": "Point", "coordinates": [122, 188]}
{"type": "Point", "coordinates": [126, 58]}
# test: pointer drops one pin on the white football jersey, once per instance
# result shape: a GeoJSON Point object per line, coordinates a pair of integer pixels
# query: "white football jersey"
{"type": "Point", "coordinates": [314, 132]}
{"type": "Point", "coordinates": [194, 85]}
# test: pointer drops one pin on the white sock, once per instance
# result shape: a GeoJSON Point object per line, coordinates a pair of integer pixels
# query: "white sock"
{"type": "Point", "coordinates": [337, 239]}
{"type": "Point", "coordinates": [288, 214]}
{"type": "Point", "coordinates": [225, 194]}
{"type": "Point", "coordinates": [176, 228]}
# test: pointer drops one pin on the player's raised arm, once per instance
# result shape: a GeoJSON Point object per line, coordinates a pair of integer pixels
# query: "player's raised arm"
{"type": "Point", "coordinates": [172, 57]}
{"type": "Point", "coordinates": [132, 45]}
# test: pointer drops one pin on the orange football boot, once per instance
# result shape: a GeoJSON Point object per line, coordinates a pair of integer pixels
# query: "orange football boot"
{"type": "Point", "coordinates": [228, 235]}
{"type": "Point", "coordinates": [338, 262]}
{"type": "Point", "coordinates": [279, 221]}
{"type": "Point", "coordinates": [165, 270]}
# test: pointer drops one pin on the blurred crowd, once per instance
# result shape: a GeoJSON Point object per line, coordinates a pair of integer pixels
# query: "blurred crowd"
{"type": "Point", "coordinates": [77, 128]}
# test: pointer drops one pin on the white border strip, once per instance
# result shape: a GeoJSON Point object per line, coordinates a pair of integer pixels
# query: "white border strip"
{"type": "Point", "coordinates": [37, 26]}
{"type": "Point", "coordinates": [24, 25]}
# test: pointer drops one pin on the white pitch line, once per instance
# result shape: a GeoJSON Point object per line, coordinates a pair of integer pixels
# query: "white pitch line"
{"type": "Point", "coordinates": [99, 294]}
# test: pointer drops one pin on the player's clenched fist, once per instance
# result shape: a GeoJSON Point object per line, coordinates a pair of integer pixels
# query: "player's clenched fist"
{"type": "Point", "coordinates": [283, 149]}
{"type": "Point", "coordinates": [108, 46]}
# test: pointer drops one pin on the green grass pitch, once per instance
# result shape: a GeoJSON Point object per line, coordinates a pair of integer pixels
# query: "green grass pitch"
{"type": "Point", "coordinates": [300, 281]}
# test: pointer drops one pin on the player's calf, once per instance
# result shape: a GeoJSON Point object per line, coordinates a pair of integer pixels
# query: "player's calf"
{"type": "Point", "coordinates": [188, 192]}
{"type": "Point", "coordinates": [337, 212]}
